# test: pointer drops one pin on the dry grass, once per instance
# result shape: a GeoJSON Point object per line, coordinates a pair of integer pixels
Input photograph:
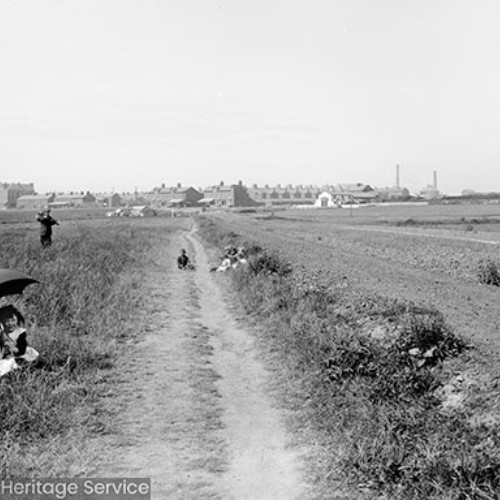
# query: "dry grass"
{"type": "Point", "coordinates": [370, 401]}
{"type": "Point", "coordinates": [488, 273]}
{"type": "Point", "coordinates": [78, 319]}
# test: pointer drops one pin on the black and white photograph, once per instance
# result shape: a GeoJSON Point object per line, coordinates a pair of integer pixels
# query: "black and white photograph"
{"type": "Point", "coordinates": [249, 250]}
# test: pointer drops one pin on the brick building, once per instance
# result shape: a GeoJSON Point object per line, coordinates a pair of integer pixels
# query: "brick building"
{"type": "Point", "coordinates": [35, 202]}
{"type": "Point", "coordinates": [284, 195]}
{"type": "Point", "coordinates": [76, 199]}
{"type": "Point", "coordinates": [235, 195]}
{"type": "Point", "coordinates": [10, 192]}
{"type": "Point", "coordinates": [108, 200]}
{"type": "Point", "coordinates": [353, 193]}
{"type": "Point", "coordinates": [179, 196]}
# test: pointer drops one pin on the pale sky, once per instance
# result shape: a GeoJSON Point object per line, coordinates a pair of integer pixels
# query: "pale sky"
{"type": "Point", "coordinates": [118, 94]}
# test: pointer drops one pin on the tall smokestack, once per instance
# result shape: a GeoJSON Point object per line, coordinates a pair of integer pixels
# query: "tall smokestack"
{"type": "Point", "coordinates": [397, 176]}
{"type": "Point", "coordinates": [435, 180]}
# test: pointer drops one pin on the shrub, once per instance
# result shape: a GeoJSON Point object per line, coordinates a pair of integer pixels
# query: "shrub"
{"type": "Point", "coordinates": [269, 263]}
{"type": "Point", "coordinates": [427, 336]}
{"type": "Point", "coordinates": [350, 356]}
{"type": "Point", "coordinates": [488, 273]}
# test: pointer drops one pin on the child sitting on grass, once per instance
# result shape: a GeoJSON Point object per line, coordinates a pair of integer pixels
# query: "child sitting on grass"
{"type": "Point", "coordinates": [183, 261]}
{"type": "Point", "coordinates": [13, 337]}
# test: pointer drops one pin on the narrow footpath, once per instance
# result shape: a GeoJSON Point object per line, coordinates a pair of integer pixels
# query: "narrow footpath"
{"type": "Point", "coordinates": [195, 414]}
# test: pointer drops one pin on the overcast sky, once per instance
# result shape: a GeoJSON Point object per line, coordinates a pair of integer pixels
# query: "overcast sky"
{"type": "Point", "coordinates": [118, 94]}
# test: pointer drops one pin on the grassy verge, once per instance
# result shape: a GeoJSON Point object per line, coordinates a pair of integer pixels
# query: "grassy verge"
{"type": "Point", "coordinates": [77, 319]}
{"type": "Point", "coordinates": [368, 376]}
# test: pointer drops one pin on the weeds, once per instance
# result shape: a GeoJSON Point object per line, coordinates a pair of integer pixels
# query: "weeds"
{"type": "Point", "coordinates": [372, 399]}
{"type": "Point", "coordinates": [78, 315]}
{"type": "Point", "coordinates": [468, 223]}
{"type": "Point", "coordinates": [488, 273]}
{"type": "Point", "coordinates": [268, 263]}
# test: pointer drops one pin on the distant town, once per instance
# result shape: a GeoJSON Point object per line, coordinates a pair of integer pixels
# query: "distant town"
{"type": "Point", "coordinates": [25, 197]}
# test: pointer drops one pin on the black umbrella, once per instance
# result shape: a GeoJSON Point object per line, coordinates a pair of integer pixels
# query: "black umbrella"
{"type": "Point", "coordinates": [12, 282]}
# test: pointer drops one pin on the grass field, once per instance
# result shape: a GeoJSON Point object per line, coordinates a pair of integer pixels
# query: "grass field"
{"type": "Point", "coordinates": [387, 340]}
{"type": "Point", "coordinates": [28, 216]}
{"type": "Point", "coordinates": [79, 319]}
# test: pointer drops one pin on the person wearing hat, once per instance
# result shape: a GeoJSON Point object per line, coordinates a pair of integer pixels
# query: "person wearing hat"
{"type": "Point", "coordinates": [46, 222]}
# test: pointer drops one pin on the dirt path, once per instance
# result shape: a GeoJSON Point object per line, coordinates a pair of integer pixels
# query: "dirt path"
{"type": "Point", "coordinates": [260, 466]}
{"type": "Point", "coordinates": [197, 417]}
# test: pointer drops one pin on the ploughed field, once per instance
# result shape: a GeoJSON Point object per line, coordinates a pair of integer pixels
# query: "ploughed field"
{"type": "Point", "coordinates": [430, 255]}
{"type": "Point", "coordinates": [387, 341]}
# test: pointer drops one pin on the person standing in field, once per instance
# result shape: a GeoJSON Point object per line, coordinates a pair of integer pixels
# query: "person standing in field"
{"type": "Point", "coordinates": [46, 222]}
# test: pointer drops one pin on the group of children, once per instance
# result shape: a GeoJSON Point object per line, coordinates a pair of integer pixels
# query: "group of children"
{"type": "Point", "coordinates": [14, 349]}
{"type": "Point", "coordinates": [231, 258]}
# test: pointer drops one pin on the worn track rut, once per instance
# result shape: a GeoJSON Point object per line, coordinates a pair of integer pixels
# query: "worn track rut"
{"type": "Point", "coordinates": [196, 415]}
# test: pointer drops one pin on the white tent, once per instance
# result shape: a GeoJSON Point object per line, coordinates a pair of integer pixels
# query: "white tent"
{"type": "Point", "coordinates": [325, 200]}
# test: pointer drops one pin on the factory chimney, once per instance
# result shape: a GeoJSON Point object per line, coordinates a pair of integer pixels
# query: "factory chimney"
{"type": "Point", "coordinates": [435, 185]}
{"type": "Point", "coordinates": [397, 176]}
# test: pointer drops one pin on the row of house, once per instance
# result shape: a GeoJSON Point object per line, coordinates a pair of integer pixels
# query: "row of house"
{"type": "Point", "coordinates": [284, 195]}
{"type": "Point", "coordinates": [68, 200]}
{"type": "Point", "coordinates": [220, 195]}
{"type": "Point", "coordinates": [237, 195]}
{"type": "Point", "coordinates": [339, 194]}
